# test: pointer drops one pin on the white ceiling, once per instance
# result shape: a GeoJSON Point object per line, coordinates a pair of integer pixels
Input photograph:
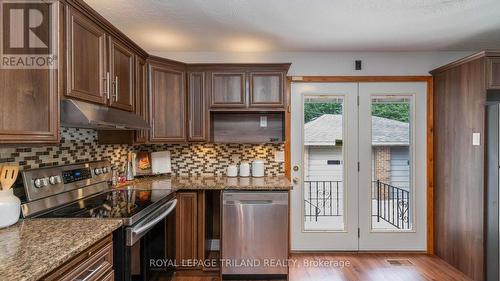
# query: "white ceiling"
{"type": "Point", "coordinates": [300, 25]}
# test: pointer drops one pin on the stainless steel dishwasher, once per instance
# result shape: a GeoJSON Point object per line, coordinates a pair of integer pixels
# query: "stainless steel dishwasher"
{"type": "Point", "coordinates": [254, 233]}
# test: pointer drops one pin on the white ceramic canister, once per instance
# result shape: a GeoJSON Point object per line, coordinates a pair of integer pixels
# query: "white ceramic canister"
{"type": "Point", "coordinates": [232, 171]}
{"type": "Point", "coordinates": [10, 208]}
{"type": "Point", "coordinates": [244, 169]}
{"type": "Point", "coordinates": [258, 168]}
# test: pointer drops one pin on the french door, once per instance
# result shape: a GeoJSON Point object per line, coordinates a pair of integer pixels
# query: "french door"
{"type": "Point", "coordinates": [359, 167]}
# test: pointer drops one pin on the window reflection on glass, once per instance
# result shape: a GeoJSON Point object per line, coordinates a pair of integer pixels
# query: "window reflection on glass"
{"type": "Point", "coordinates": [323, 164]}
{"type": "Point", "coordinates": [391, 163]}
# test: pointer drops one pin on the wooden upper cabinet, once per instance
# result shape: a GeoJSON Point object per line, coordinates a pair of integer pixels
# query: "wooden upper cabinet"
{"type": "Point", "coordinates": [168, 103]}
{"type": "Point", "coordinates": [121, 61]}
{"type": "Point", "coordinates": [228, 89]}
{"type": "Point", "coordinates": [266, 89]}
{"type": "Point", "coordinates": [86, 59]}
{"type": "Point", "coordinates": [493, 73]}
{"type": "Point", "coordinates": [141, 96]}
{"type": "Point", "coordinates": [29, 106]}
{"type": "Point", "coordinates": [197, 127]}
{"type": "Point", "coordinates": [246, 87]}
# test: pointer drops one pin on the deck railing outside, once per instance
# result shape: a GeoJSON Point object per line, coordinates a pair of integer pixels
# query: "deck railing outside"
{"type": "Point", "coordinates": [393, 205]}
{"type": "Point", "coordinates": [325, 199]}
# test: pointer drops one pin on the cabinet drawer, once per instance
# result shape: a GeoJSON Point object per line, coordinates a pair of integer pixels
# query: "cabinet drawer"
{"type": "Point", "coordinates": [109, 277]}
{"type": "Point", "coordinates": [95, 263]}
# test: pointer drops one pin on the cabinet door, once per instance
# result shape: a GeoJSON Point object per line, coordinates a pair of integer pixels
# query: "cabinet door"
{"type": "Point", "coordinates": [122, 75]}
{"type": "Point", "coordinates": [141, 97]}
{"type": "Point", "coordinates": [228, 89]}
{"type": "Point", "coordinates": [29, 106]}
{"type": "Point", "coordinates": [197, 107]}
{"type": "Point", "coordinates": [186, 216]}
{"type": "Point", "coordinates": [168, 104]}
{"type": "Point", "coordinates": [86, 59]}
{"type": "Point", "coordinates": [266, 89]}
{"type": "Point", "coordinates": [493, 73]}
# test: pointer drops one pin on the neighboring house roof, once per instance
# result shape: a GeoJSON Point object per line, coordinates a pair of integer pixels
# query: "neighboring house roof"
{"type": "Point", "coordinates": [327, 128]}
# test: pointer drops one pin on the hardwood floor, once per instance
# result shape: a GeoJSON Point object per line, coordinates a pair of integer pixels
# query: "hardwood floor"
{"type": "Point", "coordinates": [362, 267]}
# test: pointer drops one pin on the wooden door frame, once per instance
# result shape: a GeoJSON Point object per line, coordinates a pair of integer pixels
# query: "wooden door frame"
{"type": "Point", "coordinates": [430, 130]}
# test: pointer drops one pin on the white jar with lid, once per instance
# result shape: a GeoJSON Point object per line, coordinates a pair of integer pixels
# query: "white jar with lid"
{"type": "Point", "coordinates": [232, 171]}
{"type": "Point", "coordinates": [244, 169]}
{"type": "Point", "coordinates": [258, 168]}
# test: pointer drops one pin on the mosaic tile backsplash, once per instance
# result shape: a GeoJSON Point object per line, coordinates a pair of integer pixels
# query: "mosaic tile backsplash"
{"type": "Point", "coordinates": [80, 145]}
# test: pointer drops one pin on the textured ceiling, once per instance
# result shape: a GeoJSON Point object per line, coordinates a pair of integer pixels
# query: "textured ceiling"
{"type": "Point", "coordinates": [300, 25]}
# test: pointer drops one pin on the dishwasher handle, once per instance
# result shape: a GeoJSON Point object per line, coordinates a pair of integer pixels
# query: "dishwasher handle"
{"type": "Point", "coordinates": [255, 198]}
{"type": "Point", "coordinates": [248, 202]}
{"type": "Point", "coordinates": [254, 202]}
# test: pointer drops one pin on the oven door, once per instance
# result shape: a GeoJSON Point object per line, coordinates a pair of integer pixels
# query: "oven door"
{"type": "Point", "coordinates": [146, 241]}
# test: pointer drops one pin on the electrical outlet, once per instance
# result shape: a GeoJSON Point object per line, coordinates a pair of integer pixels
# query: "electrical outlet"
{"type": "Point", "coordinates": [476, 139]}
{"type": "Point", "coordinates": [263, 121]}
{"type": "Point", "coordinates": [279, 156]}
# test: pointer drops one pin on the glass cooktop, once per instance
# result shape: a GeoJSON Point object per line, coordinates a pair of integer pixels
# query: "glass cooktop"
{"type": "Point", "coordinates": [128, 204]}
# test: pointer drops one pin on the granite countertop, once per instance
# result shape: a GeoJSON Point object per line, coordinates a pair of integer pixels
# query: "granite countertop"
{"type": "Point", "coordinates": [32, 248]}
{"type": "Point", "coordinates": [210, 182]}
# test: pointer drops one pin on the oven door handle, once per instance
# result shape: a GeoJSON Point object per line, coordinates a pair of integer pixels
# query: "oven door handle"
{"type": "Point", "coordinates": [139, 231]}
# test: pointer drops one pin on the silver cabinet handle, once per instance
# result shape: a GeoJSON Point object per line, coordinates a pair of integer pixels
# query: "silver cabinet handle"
{"type": "Point", "coordinates": [116, 88]}
{"type": "Point", "coordinates": [106, 85]}
{"type": "Point", "coordinates": [92, 272]}
{"type": "Point", "coordinates": [105, 78]}
{"type": "Point", "coordinates": [190, 127]}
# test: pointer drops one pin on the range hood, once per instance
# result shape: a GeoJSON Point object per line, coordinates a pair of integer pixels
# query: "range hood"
{"type": "Point", "coordinates": [80, 114]}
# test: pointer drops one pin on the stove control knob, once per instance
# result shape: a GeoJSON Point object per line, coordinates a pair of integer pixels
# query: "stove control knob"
{"type": "Point", "coordinates": [40, 182]}
{"type": "Point", "coordinates": [55, 180]}
{"type": "Point", "coordinates": [97, 171]}
{"type": "Point", "coordinates": [105, 170]}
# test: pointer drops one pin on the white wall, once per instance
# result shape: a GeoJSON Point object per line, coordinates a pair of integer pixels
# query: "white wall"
{"type": "Point", "coordinates": [317, 167]}
{"type": "Point", "coordinates": [331, 63]}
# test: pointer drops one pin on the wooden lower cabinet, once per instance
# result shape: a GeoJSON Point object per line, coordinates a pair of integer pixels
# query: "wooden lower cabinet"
{"type": "Point", "coordinates": [186, 230]}
{"type": "Point", "coordinates": [95, 263]}
{"type": "Point", "coordinates": [197, 220]}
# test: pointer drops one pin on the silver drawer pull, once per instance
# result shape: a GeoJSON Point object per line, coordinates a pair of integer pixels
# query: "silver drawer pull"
{"type": "Point", "coordinates": [91, 272]}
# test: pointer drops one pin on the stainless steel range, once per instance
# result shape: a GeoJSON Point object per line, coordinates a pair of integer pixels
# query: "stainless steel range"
{"type": "Point", "coordinates": [83, 191]}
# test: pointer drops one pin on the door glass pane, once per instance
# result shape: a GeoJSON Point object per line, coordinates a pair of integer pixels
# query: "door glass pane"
{"type": "Point", "coordinates": [391, 163]}
{"type": "Point", "coordinates": [323, 163]}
